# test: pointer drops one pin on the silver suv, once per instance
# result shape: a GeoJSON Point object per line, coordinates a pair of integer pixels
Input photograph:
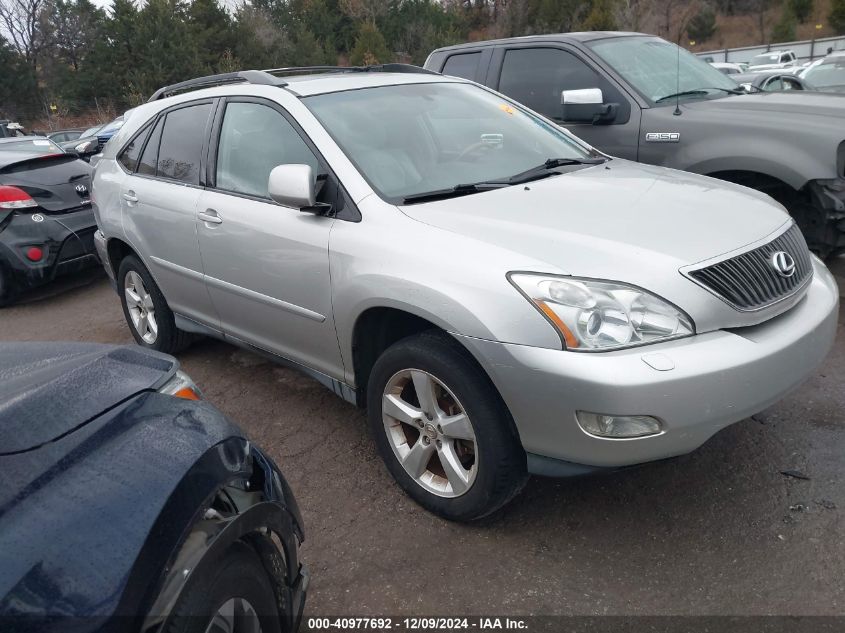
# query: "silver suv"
{"type": "Point", "coordinates": [503, 298]}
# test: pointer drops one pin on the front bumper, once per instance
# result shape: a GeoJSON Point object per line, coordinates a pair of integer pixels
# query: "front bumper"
{"type": "Point", "coordinates": [717, 378]}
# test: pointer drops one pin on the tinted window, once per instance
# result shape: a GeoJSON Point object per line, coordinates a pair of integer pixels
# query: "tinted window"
{"type": "Point", "coordinates": [254, 139]}
{"type": "Point", "coordinates": [132, 152]}
{"type": "Point", "coordinates": [181, 143]}
{"type": "Point", "coordinates": [537, 76]}
{"type": "Point", "coordinates": [462, 65]}
{"type": "Point", "coordinates": [147, 166]}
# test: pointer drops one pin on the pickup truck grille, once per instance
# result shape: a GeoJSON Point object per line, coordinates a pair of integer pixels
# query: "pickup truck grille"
{"type": "Point", "coordinates": [750, 281]}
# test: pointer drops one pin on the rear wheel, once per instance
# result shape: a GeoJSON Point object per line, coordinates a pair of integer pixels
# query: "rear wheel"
{"type": "Point", "coordinates": [442, 429]}
{"type": "Point", "coordinates": [236, 596]}
{"type": "Point", "coordinates": [149, 318]}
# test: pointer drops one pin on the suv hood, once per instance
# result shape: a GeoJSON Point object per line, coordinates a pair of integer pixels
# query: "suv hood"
{"type": "Point", "coordinates": [48, 390]}
{"type": "Point", "coordinates": [621, 221]}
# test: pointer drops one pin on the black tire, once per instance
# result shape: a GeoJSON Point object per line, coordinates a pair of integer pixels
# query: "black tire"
{"type": "Point", "coordinates": [170, 339]}
{"type": "Point", "coordinates": [501, 469]}
{"type": "Point", "coordinates": [8, 288]}
{"type": "Point", "coordinates": [238, 575]}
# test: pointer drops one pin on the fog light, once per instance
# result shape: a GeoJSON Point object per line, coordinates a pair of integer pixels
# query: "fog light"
{"type": "Point", "coordinates": [618, 425]}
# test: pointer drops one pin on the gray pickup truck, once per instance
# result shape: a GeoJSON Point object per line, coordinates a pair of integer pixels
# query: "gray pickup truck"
{"type": "Point", "coordinates": [640, 97]}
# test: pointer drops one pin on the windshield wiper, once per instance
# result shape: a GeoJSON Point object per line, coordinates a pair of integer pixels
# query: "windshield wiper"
{"type": "Point", "coordinates": [535, 173]}
{"type": "Point", "coordinates": [546, 169]}
{"type": "Point", "coordinates": [699, 91]}
{"type": "Point", "coordinates": [453, 192]}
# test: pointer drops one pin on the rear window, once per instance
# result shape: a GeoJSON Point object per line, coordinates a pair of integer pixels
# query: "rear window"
{"type": "Point", "coordinates": [31, 145]}
{"type": "Point", "coordinates": [132, 153]}
{"type": "Point", "coordinates": [181, 143]}
{"type": "Point", "coordinates": [147, 165]}
{"type": "Point", "coordinates": [464, 65]}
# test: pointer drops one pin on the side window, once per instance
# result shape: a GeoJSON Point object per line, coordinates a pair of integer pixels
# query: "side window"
{"type": "Point", "coordinates": [147, 164]}
{"type": "Point", "coordinates": [463, 65]}
{"type": "Point", "coordinates": [255, 138]}
{"type": "Point", "coordinates": [181, 143]}
{"type": "Point", "coordinates": [132, 152]}
{"type": "Point", "coordinates": [537, 76]}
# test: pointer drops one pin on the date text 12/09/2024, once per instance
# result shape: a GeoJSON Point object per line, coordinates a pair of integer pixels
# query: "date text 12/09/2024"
{"type": "Point", "coordinates": [416, 624]}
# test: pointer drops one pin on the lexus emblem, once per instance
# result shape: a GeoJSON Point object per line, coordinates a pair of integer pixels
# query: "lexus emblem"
{"type": "Point", "coordinates": [82, 190]}
{"type": "Point", "coordinates": [783, 264]}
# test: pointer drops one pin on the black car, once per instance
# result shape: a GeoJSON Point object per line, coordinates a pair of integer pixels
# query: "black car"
{"type": "Point", "coordinates": [91, 141]}
{"type": "Point", "coordinates": [774, 80]}
{"type": "Point", "coordinates": [127, 503]}
{"type": "Point", "coordinates": [46, 221]}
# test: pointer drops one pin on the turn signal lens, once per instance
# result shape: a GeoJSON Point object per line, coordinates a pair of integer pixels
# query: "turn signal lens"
{"type": "Point", "coordinates": [181, 386]}
{"type": "Point", "coordinates": [14, 198]}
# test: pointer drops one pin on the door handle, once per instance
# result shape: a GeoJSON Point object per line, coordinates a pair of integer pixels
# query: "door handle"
{"type": "Point", "coordinates": [130, 196]}
{"type": "Point", "coordinates": [210, 216]}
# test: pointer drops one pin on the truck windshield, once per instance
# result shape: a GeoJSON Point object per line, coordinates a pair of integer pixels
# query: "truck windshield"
{"type": "Point", "coordinates": [766, 58]}
{"type": "Point", "coordinates": [412, 139]}
{"type": "Point", "coordinates": [656, 70]}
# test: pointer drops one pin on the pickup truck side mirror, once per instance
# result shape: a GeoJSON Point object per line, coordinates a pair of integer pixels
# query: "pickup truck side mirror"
{"type": "Point", "coordinates": [587, 106]}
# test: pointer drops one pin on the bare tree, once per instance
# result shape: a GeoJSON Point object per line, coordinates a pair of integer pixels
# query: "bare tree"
{"type": "Point", "coordinates": [365, 10]}
{"type": "Point", "coordinates": [21, 22]}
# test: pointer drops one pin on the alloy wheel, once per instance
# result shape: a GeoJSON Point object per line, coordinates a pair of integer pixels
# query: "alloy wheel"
{"type": "Point", "coordinates": [430, 433]}
{"type": "Point", "coordinates": [140, 305]}
{"type": "Point", "coordinates": [236, 615]}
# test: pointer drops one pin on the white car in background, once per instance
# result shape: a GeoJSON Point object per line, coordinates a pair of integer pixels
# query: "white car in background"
{"type": "Point", "coordinates": [773, 60]}
{"type": "Point", "coordinates": [727, 68]}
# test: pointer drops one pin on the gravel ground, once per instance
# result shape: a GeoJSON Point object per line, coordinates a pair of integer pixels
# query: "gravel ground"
{"type": "Point", "coordinates": [720, 531]}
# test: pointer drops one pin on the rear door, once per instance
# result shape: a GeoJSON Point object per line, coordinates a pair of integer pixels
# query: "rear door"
{"type": "Point", "coordinates": [267, 265]}
{"type": "Point", "coordinates": [159, 198]}
{"type": "Point", "coordinates": [536, 74]}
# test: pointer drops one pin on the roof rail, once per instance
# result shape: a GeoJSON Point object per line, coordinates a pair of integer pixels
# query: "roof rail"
{"type": "Point", "coordinates": [384, 68]}
{"type": "Point", "coordinates": [267, 78]}
{"type": "Point", "coordinates": [244, 76]}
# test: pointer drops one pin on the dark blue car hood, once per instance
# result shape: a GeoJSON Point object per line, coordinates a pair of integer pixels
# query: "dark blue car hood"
{"type": "Point", "coordinates": [48, 390]}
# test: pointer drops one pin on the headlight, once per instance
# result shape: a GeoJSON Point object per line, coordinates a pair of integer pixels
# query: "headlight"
{"type": "Point", "coordinates": [595, 315]}
{"type": "Point", "coordinates": [83, 147]}
{"type": "Point", "coordinates": [182, 386]}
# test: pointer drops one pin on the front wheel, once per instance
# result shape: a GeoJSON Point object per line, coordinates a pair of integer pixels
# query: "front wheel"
{"type": "Point", "coordinates": [442, 429]}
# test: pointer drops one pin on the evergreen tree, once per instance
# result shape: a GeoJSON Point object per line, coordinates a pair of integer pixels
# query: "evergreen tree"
{"type": "Point", "coordinates": [836, 17]}
{"type": "Point", "coordinates": [601, 17]}
{"type": "Point", "coordinates": [702, 26]}
{"type": "Point", "coordinates": [801, 9]}
{"type": "Point", "coordinates": [370, 47]}
{"type": "Point", "coordinates": [784, 30]}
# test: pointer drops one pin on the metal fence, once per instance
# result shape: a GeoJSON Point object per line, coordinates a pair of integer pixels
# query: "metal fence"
{"type": "Point", "coordinates": [805, 50]}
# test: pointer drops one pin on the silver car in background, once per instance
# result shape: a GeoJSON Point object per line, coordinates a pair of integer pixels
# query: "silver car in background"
{"type": "Point", "coordinates": [503, 298]}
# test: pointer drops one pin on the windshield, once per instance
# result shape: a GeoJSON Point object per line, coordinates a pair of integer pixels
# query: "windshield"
{"type": "Point", "coordinates": [654, 67]}
{"type": "Point", "coordinates": [827, 74]}
{"type": "Point", "coordinates": [762, 60]}
{"type": "Point", "coordinates": [39, 145]}
{"type": "Point", "coordinates": [112, 127]}
{"type": "Point", "coordinates": [418, 138]}
{"type": "Point", "coordinates": [91, 131]}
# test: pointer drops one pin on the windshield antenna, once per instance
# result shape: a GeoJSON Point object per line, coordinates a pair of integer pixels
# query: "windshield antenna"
{"type": "Point", "coordinates": [677, 111]}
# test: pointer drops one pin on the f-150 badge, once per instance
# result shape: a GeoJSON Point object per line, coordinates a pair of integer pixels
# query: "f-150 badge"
{"type": "Point", "coordinates": [663, 137]}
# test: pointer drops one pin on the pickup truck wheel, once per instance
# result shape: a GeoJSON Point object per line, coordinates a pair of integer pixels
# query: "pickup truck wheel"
{"type": "Point", "coordinates": [149, 318]}
{"type": "Point", "coordinates": [442, 429]}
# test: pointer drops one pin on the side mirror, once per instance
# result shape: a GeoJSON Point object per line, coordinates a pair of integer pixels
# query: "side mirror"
{"type": "Point", "coordinates": [292, 186]}
{"type": "Point", "coordinates": [587, 106]}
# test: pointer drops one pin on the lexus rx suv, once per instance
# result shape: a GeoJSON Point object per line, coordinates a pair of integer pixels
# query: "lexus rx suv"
{"type": "Point", "coordinates": [503, 298]}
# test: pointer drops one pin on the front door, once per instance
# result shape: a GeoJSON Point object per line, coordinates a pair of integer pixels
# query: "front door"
{"type": "Point", "coordinates": [536, 76]}
{"type": "Point", "coordinates": [266, 265]}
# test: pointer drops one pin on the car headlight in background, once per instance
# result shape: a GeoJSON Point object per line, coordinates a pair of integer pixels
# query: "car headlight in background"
{"type": "Point", "coordinates": [593, 315]}
{"type": "Point", "coordinates": [83, 147]}
{"type": "Point", "coordinates": [182, 386]}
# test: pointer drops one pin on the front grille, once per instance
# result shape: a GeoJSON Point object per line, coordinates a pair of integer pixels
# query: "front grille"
{"type": "Point", "coordinates": [750, 281]}
{"type": "Point", "coordinates": [101, 142]}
